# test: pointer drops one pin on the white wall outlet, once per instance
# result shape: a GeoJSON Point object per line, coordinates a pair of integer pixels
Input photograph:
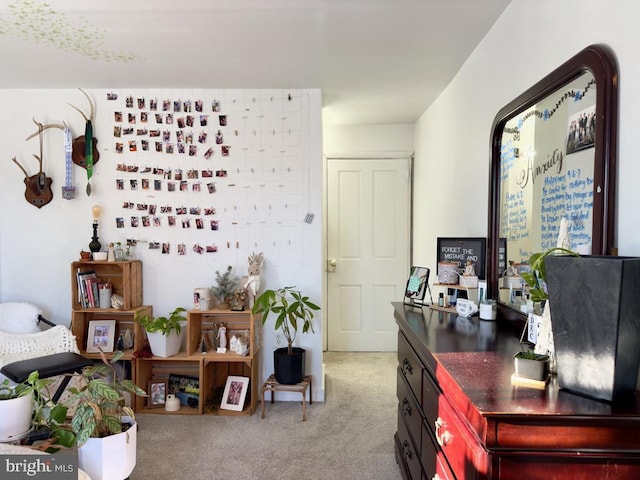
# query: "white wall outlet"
{"type": "Point", "coordinates": [278, 339]}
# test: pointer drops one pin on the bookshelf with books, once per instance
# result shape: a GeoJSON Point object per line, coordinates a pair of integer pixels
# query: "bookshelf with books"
{"type": "Point", "coordinates": [97, 326]}
{"type": "Point", "coordinates": [124, 277]}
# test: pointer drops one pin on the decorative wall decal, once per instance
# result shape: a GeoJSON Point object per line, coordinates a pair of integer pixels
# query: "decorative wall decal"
{"type": "Point", "coordinates": [38, 22]}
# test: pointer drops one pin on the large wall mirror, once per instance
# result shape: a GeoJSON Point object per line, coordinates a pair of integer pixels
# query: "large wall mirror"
{"type": "Point", "coordinates": [553, 156]}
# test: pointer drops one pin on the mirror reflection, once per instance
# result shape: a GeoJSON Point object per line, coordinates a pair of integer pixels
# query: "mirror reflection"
{"type": "Point", "coordinates": [553, 171]}
{"type": "Point", "coordinates": [547, 174]}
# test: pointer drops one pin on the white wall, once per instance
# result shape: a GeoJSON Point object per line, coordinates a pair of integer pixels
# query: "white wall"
{"type": "Point", "coordinates": [527, 42]}
{"type": "Point", "coordinates": [372, 140]}
{"type": "Point", "coordinates": [274, 179]}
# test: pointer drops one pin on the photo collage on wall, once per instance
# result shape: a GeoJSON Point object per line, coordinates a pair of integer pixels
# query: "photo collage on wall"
{"type": "Point", "coordinates": [189, 168]}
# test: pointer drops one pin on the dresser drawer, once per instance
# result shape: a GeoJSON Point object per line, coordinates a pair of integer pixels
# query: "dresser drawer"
{"type": "Point", "coordinates": [410, 453]}
{"type": "Point", "coordinates": [434, 463]}
{"type": "Point", "coordinates": [410, 367]}
{"type": "Point", "coordinates": [462, 449]}
{"type": "Point", "coordinates": [430, 399]}
{"type": "Point", "coordinates": [409, 409]}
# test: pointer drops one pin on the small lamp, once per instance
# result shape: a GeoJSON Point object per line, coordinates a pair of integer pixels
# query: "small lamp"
{"type": "Point", "coordinates": [95, 245]}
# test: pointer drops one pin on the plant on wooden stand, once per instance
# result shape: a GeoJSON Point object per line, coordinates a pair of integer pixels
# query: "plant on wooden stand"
{"type": "Point", "coordinates": [293, 310]}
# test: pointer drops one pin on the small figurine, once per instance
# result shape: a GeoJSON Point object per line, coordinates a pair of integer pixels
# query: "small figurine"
{"type": "Point", "coordinates": [222, 336]}
{"type": "Point", "coordinates": [512, 271]}
{"type": "Point", "coordinates": [111, 254]}
{"type": "Point", "coordinates": [469, 269]}
{"type": "Point", "coordinates": [239, 299]}
{"type": "Point", "coordinates": [251, 283]}
{"type": "Point", "coordinates": [203, 343]}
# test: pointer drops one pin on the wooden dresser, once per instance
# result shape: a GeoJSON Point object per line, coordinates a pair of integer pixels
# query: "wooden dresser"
{"type": "Point", "coordinates": [459, 416]}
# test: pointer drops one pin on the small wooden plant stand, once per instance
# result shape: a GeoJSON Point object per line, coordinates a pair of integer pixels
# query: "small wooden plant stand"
{"type": "Point", "coordinates": [272, 386]}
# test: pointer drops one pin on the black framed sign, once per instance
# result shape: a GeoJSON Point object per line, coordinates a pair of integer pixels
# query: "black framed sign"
{"type": "Point", "coordinates": [450, 249]}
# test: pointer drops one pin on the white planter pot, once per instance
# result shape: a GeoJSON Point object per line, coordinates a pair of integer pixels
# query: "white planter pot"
{"type": "Point", "coordinates": [15, 417]}
{"type": "Point", "coordinates": [112, 457]}
{"type": "Point", "coordinates": [165, 345]}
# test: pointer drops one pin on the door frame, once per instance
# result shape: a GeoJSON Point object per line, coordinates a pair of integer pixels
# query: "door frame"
{"type": "Point", "coordinates": [410, 156]}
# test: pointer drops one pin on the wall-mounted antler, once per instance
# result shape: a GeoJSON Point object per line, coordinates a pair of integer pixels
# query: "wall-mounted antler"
{"type": "Point", "coordinates": [37, 187]}
{"type": "Point", "coordinates": [45, 126]}
{"type": "Point", "coordinates": [85, 152]}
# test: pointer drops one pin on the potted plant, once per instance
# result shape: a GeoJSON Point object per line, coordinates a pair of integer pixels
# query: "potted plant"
{"type": "Point", "coordinates": [224, 288]}
{"type": "Point", "coordinates": [529, 364]}
{"type": "Point", "coordinates": [536, 277]}
{"type": "Point", "coordinates": [164, 333]}
{"type": "Point", "coordinates": [17, 406]}
{"type": "Point", "coordinates": [293, 310]}
{"type": "Point", "coordinates": [104, 428]}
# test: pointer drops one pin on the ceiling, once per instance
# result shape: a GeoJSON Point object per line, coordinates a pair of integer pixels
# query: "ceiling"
{"type": "Point", "coordinates": [376, 61]}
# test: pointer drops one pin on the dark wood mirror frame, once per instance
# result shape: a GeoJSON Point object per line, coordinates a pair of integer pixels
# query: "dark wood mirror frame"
{"type": "Point", "coordinates": [600, 61]}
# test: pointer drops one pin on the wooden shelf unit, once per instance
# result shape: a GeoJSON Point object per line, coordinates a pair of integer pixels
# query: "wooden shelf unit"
{"type": "Point", "coordinates": [211, 368]}
{"type": "Point", "coordinates": [125, 278]}
{"type": "Point", "coordinates": [124, 320]}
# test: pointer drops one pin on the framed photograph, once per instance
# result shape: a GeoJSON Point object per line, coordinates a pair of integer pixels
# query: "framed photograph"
{"type": "Point", "coordinates": [157, 393]}
{"type": "Point", "coordinates": [235, 391]}
{"type": "Point", "coordinates": [100, 336]}
{"type": "Point", "coordinates": [417, 285]}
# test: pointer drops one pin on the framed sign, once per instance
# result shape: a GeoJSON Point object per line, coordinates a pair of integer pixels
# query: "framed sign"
{"type": "Point", "coordinates": [461, 250]}
{"type": "Point", "coordinates": [417, 286]}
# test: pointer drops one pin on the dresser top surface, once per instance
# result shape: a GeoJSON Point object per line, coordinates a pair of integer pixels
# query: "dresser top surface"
{"type": "Point", "coordinates": [472, 360]}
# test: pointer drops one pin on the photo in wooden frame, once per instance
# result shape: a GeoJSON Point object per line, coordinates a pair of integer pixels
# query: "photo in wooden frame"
{"type": "Point", "coordinates": [235, 392]}
{"type": "Point", "coordinates": [101, 336]}
{"type": "Point", "coordinates": [158, 390]}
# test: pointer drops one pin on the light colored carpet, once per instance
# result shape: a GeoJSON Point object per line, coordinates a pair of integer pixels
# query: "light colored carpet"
{"type": "Point", "coordinates": [349, 436]}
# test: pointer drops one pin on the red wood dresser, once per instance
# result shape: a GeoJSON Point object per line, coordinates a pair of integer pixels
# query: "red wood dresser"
{"type": "Point", "coordinates": [459, 416]}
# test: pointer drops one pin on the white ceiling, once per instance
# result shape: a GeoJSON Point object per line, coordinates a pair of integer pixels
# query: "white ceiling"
{"type": "Point", "coordinates": [376, 61]}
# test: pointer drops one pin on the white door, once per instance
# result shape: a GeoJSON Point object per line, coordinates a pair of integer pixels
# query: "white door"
{"type": "Point", "coordinates": [368, 211]}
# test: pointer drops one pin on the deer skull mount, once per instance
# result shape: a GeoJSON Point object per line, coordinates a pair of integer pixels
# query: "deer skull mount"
{"type": "Point", "coordinates": [85, 152]}
{"type": "Point", "coordinates": [37, 187]}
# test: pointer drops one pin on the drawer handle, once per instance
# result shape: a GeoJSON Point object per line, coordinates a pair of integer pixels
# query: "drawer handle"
{"type": "Point", "coordinates": [406, 408]}
{"type": "Point", "coordinates": [442, 436]}
{"type": "Point", "coordinates": [407, 366]}
{"type": "Point", "coordinates": [407, 449]}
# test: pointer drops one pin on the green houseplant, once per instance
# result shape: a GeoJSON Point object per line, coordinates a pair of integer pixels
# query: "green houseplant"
{"type": "Point", "coordinates": [17, 406]}
{"type": "Point", "coordinates": [164, 333]}
{"type": "Point", "coordinates": [293, 311]}
{"type": "Point", "coordinates": [536, 278]}
{"type": "Point", "coordinates": [104, 427]}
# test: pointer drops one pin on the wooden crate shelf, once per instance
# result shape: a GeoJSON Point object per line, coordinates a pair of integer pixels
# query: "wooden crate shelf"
{"type": "Point", "coordinates": [125, 278]}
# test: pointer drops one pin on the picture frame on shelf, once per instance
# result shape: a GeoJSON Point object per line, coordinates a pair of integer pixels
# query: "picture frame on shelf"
{"type": "Point", "coordinates": [101, 336]}
{"type": "Point", "coordinates": [157, 393]}
{"type": "Point", "coordinates": [235, 392]}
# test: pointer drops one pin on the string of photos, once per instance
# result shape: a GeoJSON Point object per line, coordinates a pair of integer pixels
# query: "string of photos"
{"type": "Point", "coordinates": [190, 168]}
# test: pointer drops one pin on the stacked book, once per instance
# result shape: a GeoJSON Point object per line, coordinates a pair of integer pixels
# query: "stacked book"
{"type": "Point", "coordinates": [88, 288]}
